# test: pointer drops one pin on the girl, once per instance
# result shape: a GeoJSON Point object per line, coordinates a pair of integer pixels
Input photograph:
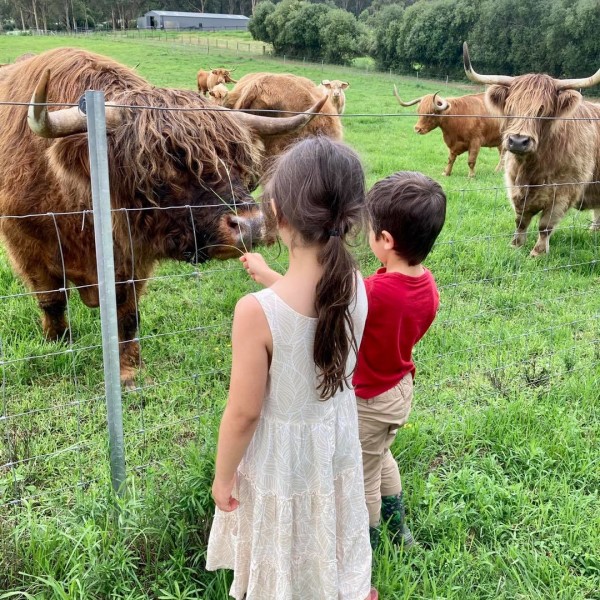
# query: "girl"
{"type": "Point", "coordinates": [291, 519]}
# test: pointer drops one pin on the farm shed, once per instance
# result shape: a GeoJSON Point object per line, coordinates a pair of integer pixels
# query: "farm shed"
{"type": "Point", "coordinates": [166, 19]}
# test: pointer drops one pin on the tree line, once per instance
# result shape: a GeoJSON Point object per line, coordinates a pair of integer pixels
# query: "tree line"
{"type": "Point", "coordinates": [69, 15]}
{"type": "Point", "coordinates": [559, 37]}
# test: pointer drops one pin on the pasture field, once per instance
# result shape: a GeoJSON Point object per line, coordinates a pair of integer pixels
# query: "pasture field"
{"type": "Point", "coordinates": [500, 459]}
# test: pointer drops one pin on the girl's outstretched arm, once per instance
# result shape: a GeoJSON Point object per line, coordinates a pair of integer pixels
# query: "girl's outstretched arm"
{"type": "Point", "coordinates": [257, 268]}
{"type": "Point", "coordinates": [252, 345]}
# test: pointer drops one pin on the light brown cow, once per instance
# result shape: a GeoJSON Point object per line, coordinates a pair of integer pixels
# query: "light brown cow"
{"type": "Point", "coordinates": [274, 92]}
{"type": "Point", "coordinates": [552, 138]}
{"type": "Point", "coordinates": [207, 80]}
{"type": "Point", "coordinates": [334, 88]}
{"type": "Point", "coordinates": [467, 132]}
{"type": "Point", "coordinates": [218, 93]}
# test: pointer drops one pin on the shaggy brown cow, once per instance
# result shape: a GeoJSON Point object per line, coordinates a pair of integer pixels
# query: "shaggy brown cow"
{"type": "Point", "coordinates": [207, 80]}
{"type": "Point", "coordinates": [271, 92]}
{"type": "Point", "coordinates": [553, 141]}
{"type": "Point", "coordinates": [461, 134]}
{"type": "Point", "coordinates": [335, 90]}
{"type": "Point", "coordinates": [198, 164]}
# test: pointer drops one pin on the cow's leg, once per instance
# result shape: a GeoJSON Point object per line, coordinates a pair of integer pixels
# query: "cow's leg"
{"type": "Point", "coordinates": [128, 295]}
{"type": "Point", "coordinates": [595, 226]}
{"type": "Point", "coordinates": [473, 153]}
{"type": "Point", "coordinates": [451, 158]}
{"type": "Point", "coordinates": [53, 305]}
{"type": "Point", "coordinates": [501, 159]}
{"type": "Point", "coordinates": [548, 221]}
{"type": "Point", "coordinates": [522, 221]}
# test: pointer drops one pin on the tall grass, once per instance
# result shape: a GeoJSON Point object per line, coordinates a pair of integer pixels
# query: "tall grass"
{"type": "Point", "coordinates": [500, 457]}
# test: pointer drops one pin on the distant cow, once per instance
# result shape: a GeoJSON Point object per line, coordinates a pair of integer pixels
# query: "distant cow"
{"type": "Point", "coordinates": [552, 138]}
{"type": "Point", "coordinates": [218, 93]}
{"type": "Point", "coordinates": [25, 56]}
{"type": "Point", "coordinates": [335, 90]}
{"type": "Point", "coordinates": [200, 165]}
{"type": "Point", "coordinates": [207, 80]}
{"type": "Point", "coordinates": [461, 133]}
{"type": "Point", "coordinates": [271, 92]}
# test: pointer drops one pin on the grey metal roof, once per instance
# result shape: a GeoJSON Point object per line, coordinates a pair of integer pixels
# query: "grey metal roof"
{"type": "Point", "coordinates": [172, 13]}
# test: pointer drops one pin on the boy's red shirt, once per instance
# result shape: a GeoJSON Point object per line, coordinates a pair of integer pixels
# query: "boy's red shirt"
{"type": "Point", "coordinates": [401, 309]}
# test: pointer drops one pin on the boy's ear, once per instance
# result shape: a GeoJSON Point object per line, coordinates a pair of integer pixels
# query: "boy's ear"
{"type": "Point", "coordinates": [388, 240]}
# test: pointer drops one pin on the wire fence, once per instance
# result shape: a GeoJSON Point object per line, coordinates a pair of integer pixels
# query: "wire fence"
{"type": "Point", "coordinates": [528, 328]}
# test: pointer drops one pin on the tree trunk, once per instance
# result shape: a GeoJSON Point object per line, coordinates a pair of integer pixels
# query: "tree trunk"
{"type": "Point", "coordinates": [22, 19]}
{"type": "Point", "coordinates": [67, 21]}
{"type": "Point", "coordinates": [33, 5]}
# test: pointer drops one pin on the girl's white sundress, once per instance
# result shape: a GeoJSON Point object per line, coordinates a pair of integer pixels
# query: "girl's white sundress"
{"type": "Point", "coordinates": [301, 531]}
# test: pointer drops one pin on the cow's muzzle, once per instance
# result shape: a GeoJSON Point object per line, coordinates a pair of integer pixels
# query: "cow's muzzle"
{"type": "Point", "coordinates": [520, 144]}
{"type": "Point", "coordinates": [239, 233]}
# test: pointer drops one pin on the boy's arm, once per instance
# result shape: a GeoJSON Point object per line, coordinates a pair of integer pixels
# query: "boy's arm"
{"type": "Point", "coordinates": [258, 269]}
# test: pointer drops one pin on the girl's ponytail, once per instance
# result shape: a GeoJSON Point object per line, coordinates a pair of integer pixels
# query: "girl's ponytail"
{"type": "Point", "coordinates": [318, 188]}
{"type": "Point", "coordinates": [334, 337]}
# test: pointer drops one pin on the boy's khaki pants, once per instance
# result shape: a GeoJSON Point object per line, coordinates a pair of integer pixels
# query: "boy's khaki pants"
{"type": "Point", "coordinates": [378, 421]}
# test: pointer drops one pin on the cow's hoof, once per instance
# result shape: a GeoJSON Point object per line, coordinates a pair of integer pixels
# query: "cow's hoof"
{"type": "Point", "coordinates": [57, 335]}
{"type": "Point", "coordinates": [128, 384]}
{"type": "Point", "coordinates": [444, 174]}
{"type": "Point", "coordinates": [536, 252]}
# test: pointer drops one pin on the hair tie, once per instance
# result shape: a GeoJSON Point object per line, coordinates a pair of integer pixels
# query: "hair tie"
{"type": "Point", "coordinates": [334, 233]}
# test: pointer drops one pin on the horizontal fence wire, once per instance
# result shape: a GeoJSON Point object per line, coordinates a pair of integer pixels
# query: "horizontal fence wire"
{"type": "Point", "coordinates": [507, 325]}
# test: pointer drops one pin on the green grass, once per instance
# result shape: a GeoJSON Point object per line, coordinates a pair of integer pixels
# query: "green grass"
{"type": "Point", "coordinates": [500, 458]}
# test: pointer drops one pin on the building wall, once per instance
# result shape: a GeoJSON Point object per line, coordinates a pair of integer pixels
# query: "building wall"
{"type": "Point", "coordinates": [181, 22]}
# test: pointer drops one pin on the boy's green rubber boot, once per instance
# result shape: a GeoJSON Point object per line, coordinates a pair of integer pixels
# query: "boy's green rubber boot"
{"type": "Point", "coordinates": [374, 534]}
{"type": "Point", "coordinates": [394, 514]}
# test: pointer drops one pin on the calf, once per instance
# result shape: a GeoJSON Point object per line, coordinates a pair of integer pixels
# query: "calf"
{"type": "Point", "coordinates": [335, 90]}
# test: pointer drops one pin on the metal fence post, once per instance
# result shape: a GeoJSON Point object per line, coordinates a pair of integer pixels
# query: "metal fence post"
{"type": "Point", "coordinates": [105, 264]}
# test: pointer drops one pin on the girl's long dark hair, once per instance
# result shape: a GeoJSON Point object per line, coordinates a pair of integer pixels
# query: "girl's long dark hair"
{"type": "Point", "coordinates": [318, 188]}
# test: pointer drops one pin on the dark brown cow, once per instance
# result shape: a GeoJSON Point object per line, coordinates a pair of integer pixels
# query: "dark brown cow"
{"type": "Point", "coordinates": [269, 91]}
{"type": "Point", "coordinates": [461, 133]}
{"type": "Point", "coordinates": [552, 138]}
{"type": "Point", "coordinates": [199, 164]}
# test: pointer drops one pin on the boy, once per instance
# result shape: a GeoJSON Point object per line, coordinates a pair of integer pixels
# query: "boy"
{"type": "Point", "coordinates": [406, 213]}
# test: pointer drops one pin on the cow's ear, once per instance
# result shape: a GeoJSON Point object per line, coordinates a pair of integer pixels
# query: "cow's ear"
{"type": "Point", "coordinates": [326, 82]}
{"type": "Point", "coordinates": [567, 102]}
{"type": "Point", "coordinates": [495, 98]}
{"type": "Point", "coordinates": [344, 85]}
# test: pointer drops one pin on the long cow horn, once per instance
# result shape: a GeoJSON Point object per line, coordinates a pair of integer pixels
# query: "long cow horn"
{"type": "Point", "coordinates": [277, 125]}
{"type": "Point", "coordinates": [442, 106]}
{"type": "Point", "coordinates": [60, 123]}
{"type": "Point", "coordinates": [411, 103]}
{"type": "Point", "coordinates": [477, 78]}
{"type": "Point", "coordinates": [586, 82]}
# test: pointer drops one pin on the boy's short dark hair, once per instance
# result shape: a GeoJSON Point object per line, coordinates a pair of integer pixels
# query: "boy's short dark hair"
{"type": "Point", "coordinates": [412, 209]}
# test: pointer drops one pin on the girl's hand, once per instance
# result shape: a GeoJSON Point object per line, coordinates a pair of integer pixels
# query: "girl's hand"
{"type": "Point", "coordinates": [258, 269]}
{"type": "Point", "coordinates": [221, 493]}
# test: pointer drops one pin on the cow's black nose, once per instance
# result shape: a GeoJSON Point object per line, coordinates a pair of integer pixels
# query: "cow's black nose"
{"type": "Point", "coordinates": [519, 144]}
